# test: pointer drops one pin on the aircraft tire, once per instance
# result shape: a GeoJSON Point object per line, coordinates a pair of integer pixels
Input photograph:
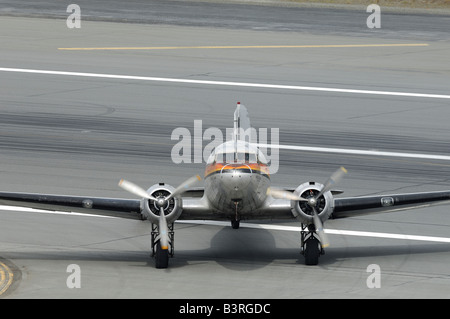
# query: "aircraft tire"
{"type": "Point", "coordinates": [312, 252]}
{"type": "Point", "coordinates": [161, 258]}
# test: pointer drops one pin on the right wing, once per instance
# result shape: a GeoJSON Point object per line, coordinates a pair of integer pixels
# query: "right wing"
{"type": "Point", "coordinates": [117, 207]}
{"type": "Point", "coordinates": [195, 205]}
{"type": "Point", "coordinates": [362, 205]}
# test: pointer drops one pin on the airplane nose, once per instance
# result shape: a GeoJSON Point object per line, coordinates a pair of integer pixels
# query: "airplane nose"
{"type": "Point", "coordinates": [236, 178]}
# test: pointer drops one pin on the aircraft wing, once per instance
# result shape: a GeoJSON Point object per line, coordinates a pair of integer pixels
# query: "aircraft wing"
{"type": "Point", "coordinates": [363, 205]}
{"type": "Point", "coordinates": [117, 207]}
{"type": "Point", "coordinates": [196, 192]}
{"type": "Point", "coordinates": [194, 205]}
{"type": "Point", "coordinates": [356, 206]}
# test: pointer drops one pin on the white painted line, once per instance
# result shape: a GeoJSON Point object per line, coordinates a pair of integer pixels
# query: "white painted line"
{"type": "Point", "coordinates": [224, 83]}
{"type": "Point", "coordinates": [357, 152]}
{"type": "Point", "coordinates": [248, 225]}
{"type": "Point", "coordinates": [387, 235]}
{"type": "Point", "coordinates": [273, 86]}
{"type": "Point", "coordinates": [328, 231]}
{"type": "Point", "coordinates": [42, 211]}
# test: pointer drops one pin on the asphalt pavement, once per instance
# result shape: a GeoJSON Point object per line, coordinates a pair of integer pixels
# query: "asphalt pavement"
{"type": "Point", "coordinates": [78, 135]}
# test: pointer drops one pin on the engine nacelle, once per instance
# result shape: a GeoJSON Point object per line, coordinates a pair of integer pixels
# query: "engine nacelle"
{"type": "Point", "coordinates": [303, 212]}
{"type": "Point", "coordinates": [172, 209]}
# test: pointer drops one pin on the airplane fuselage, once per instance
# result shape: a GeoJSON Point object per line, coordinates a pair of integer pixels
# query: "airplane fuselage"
{"type": "Point", "coordinates": [236, 186]}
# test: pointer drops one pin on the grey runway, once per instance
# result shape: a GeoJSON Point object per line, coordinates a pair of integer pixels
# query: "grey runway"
{"type": "Point", "coordinates": [78, 136]}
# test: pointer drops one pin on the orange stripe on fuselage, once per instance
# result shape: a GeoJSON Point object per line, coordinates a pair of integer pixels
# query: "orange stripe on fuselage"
{"type": "Point", "coordinates": [218, 167]}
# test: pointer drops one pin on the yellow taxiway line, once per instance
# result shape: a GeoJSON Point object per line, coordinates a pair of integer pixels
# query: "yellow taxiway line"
{"type": "Point", "coordinates": [252, 47]}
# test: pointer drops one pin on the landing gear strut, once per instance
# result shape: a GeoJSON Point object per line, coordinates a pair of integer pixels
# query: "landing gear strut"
{"type": "Point", "coordinates": [162, 255]}
{"type": "Point", "coordinates": [311, 247]}
{"type": "Point", "coordinates": [235, 222]}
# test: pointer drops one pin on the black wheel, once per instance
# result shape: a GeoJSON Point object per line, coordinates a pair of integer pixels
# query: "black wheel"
{"type": "Point", "coordinates": [161, 257]}
{"type": "Point", "coordinates": [235, 224]}
{"type": "Point", "coordinates": [312, 251]}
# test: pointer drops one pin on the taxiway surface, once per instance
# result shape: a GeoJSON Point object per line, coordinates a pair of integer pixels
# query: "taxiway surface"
{"type": "Point", "coordinates": [68, 134]}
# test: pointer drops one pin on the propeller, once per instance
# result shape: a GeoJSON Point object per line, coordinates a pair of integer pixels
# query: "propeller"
{"type": "Point", "coordinates": [319, 227]}
{"type": "Point", "coordinates": [135, 189]}
{"type": "Point", "coordinates": [333, 180]}
{"type": "Point", "coordinates": [282, 194]}
{"type": "Point", "coordinates": [184, 186]}
{"type": "Point", "coordinates": [164, 235]}
{"type": "Point", "coordinates": [160, 202]}
{"type": "Point", "coordinates": [313, 201]}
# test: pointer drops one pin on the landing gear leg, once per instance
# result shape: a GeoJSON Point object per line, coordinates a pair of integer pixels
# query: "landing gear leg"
{"type": "Point", "coordinates": [162, 255]}
{"type": "Point", "coordinates": [235, 222]}
{"type": "Point", "coordinates": [310, 245]}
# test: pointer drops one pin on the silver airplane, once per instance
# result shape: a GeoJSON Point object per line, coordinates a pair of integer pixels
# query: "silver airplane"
{"type": "Point", "coordinates": [236, 187]}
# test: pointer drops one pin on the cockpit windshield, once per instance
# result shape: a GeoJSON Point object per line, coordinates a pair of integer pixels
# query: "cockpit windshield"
{"type": "Point", "coordinates": [236, 157]}
{"type": "Point", "coordinates": [226, 153]}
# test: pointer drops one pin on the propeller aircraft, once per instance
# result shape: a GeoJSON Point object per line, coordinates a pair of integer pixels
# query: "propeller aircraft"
{"type": "Point", "coordinates": [236, 187]}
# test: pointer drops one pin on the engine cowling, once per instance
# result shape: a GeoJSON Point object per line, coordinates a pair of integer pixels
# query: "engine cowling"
{"type": "Point", "coordinates": [172, 209]}
{"type": "Point", "coordinates": [303, 211]}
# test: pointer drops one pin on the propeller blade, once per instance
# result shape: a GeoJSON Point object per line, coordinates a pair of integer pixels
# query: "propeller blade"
{"type": "Point", "coordinates": [319, 227]}
{"type": "Point", "coordinates": [333, 180]}
{"type": "Point", "coordinates": [282, 194]}
{"type": "Point", "coordinates": [135, 189]}
{"type": "Point", "coordinates": [184, 186]}
{"type": "Point", "coordinates": [164, 240]}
